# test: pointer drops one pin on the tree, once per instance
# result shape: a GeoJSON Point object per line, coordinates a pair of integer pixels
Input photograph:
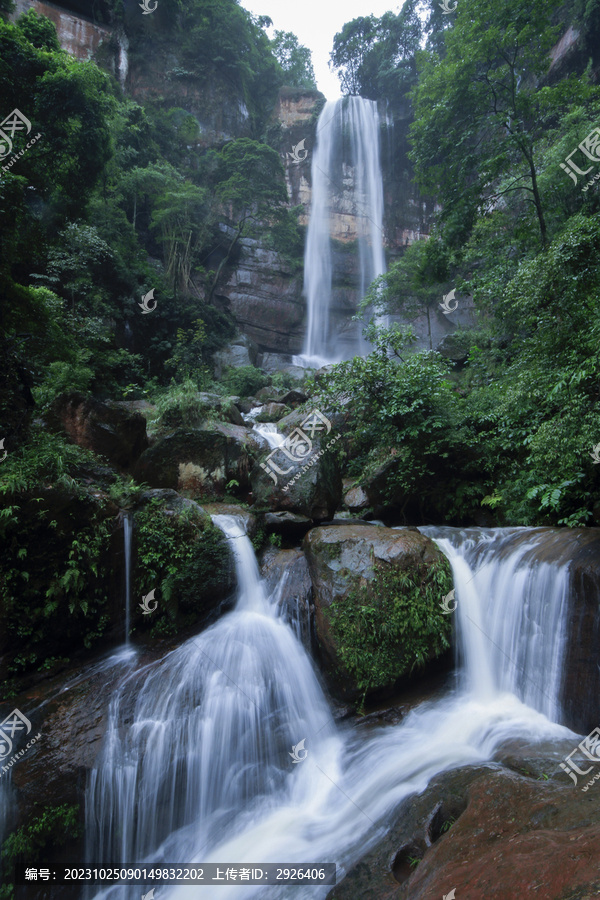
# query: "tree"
{"type": "Point", "coordinates": [251, 188]}
{"type": "Point", "coordinates": [411, 286]}
{"type": "Point", "coordinates": [482, 110]}
{"type": "Point", "coordinates": [350, 47]}
{"type": "Point", "coordinates": [376, 57]}
{"type": "Point", "coordinates": [294, 59]}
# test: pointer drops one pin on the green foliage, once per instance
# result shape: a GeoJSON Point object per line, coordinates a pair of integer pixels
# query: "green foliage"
{"type": "Point", "coordinates": [244, 381]}
{"type": "Point", "coordinates": [180, 407]}
{"type": "Point", "coordinates": [402, 409]}
{"type": "Point", "coordinates": [55, 536]}
{"type": "Point", "coordinates": [38, 30]}
{"type": "Point", "coordinates": [392, 625]}
{"type": "Point", "coordinates": [33, 843]}
{"type": "Point", "coordinates": [294, 59]}
{"type": "Point", "coordinates": [376, 57]}
{"type": "Point", "coordinates": [184, 557]}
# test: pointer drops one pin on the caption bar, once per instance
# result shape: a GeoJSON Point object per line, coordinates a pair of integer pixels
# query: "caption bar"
{"type": "Point", "coordinates": [195, 873]}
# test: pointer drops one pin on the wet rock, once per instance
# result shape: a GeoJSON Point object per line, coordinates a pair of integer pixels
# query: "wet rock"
{"type": "Point", "coordinates": [356, 499]}
{"type": "Point", "coordinates": [111, 431]}
{"type": "Point", "coordinates": [288, 524]}
{"type": "Point", "coordinates": [268, 395]}
{"type": "Point", "coordinates": [201, 461]}
{"type": "Point", "coordinates": [240, 352]}
{"type": "Point", "coordinates": [288, 571]}
{"type": "Point", "coordinates": [310, 484]}
{"type": "Point", "coordinates": [230, 509]}
{"type": "Point", "coordinates": [396, 575]}
{"type": "Point", "coordinates": [485, 833]}
{"type": "Point", "coordinates": [294, 398]}
{"type": "Point", "coordinates": [247, 404]}
{"type": "Point", "coordinates": [272, 412]}
{"type": "Point", "coordinates": [581, 686]}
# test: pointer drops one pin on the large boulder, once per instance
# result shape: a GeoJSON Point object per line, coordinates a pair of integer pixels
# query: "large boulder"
{"type": "Point", "coordinates": [272, 412]}
{"type": "Point", "coordinates": [184, 557]}
{"type": "Point", "coordinates": [287, 577]}
{"type": "Point", "coordinates": [117, 434]}
{"type": "Point", "coordinates": [201, 461]}
{"type": "Point", "coordinates": [377, 603]}
{"type": "Point", "coordinates": [240, 352]}
{"type": "Point", "coordinates": [507, 833]}
{"type": "Point", "coordinates": [310, 482]}
{"type": "Point", "coordinates": [579, 549]}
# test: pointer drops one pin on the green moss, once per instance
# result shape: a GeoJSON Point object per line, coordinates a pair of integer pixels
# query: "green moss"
{"type": "Point", "coordinates": [392, 625]}
{"type": "Point", "coordinates": [183, 556]}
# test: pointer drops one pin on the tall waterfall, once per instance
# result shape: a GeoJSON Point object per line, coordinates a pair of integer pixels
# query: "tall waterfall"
{"type": "Point", "coordinates": [347, 188]}
{"type": "Point", "coordinates": [127, 526]}
{"type": "Point", "coordinates": [196, 762]}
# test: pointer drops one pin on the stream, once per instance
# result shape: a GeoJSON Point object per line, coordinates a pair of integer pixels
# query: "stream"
{"type": "Point", "coordinates": [196, 762]}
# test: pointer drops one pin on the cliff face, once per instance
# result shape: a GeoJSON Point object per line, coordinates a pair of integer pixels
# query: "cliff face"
{"type": "Point", "coordinates": [79, 36]}
{"type": "Point", "coordinates": [262, 289]}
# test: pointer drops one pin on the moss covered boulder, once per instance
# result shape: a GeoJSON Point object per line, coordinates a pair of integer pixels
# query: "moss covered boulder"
{"type": "Point", "coordinates": [307, 479]}
{"type": "Point", "coordinates": [377, 594]}
{"type": "Point", "coordinates": [181, 556]}
{"type": "Point", "coordinates": [201, 462]}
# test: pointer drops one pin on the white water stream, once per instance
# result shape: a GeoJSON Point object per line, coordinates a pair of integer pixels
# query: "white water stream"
{"type": "Point", "coordinates": [127, 528]}
{"type": "Point", "coordinates": [196, 765]}
{"type": "Point", "coordinates": [346, 186]}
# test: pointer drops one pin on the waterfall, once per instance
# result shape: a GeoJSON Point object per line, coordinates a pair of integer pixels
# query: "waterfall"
{"type": "Point", "coordinates": [347, 189]}
{"type": "Point", "coordinates": [127, 529]}
{"type": "Point", "coordinates": [511, 607]}
{"type": "Point", "coordinates": [196, 763]}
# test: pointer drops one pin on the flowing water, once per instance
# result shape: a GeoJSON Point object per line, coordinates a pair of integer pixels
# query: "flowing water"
{"type": "Point", "coordinates": [196, 764]}
{"type": "Point", "coordinates": [347, 187]}
{"type": "Point", "coordinates": [127, 528]}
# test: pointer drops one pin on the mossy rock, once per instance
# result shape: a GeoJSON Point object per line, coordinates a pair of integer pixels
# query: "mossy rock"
{"type": "Point", "coordinates": [377, 604]}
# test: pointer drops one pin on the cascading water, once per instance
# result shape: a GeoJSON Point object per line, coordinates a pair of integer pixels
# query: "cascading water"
{"type": "Point", "coordinates": [196, 763]}
{"type": "Point", "coordinates": [127, 528]}
{"type": "Point", "coordinates": [511, 611]}
{"type": "Point", "coordinates": [346, 181]}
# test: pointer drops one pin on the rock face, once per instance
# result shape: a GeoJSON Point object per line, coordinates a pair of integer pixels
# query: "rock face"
{"type": "Point", "coordinates": [581, 688]}
{"type": "Point", "coordinates": [77, 34]}
{"type": "Point", "coordinates": [200, 461]}
{"type": "Point", "coordinates": [111, 431]}
{"type": "Point", "coordinates": [368, 581]}
{"type": "Point", "coordinates": [240, 352]}
{"type": "Point", "coordinates": [265, 297]}
{"type": "Point", "coordinates": [288, 570]}
{"type": "Point", "coordinates": [309, 484]}
{"type": "Point", "coordinates": [513, 836]}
